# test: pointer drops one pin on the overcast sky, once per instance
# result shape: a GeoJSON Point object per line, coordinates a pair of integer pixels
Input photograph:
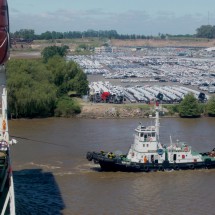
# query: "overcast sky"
{"type": "Point", "coordinates": [147, 17]}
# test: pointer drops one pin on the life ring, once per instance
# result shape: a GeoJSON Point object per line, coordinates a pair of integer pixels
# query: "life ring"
{"type": "Point", "coordinates": [186, 149]}
{"type": "Point", "coordinates": [89, 156]}
{"type": "Point", "coordinates": [160, 151]}
{"type": "Point", "coordinates": [102, 152]}
{"type": "Point", "coordinates": [4, 125]}
{"type": "Point", "coordinates": [111, 155]}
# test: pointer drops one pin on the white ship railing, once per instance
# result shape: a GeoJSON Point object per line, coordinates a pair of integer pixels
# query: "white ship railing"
{"type": "Point", "coordinates": [10, 198]}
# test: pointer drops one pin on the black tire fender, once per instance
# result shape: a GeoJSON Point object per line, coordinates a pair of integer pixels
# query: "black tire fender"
{"type": "Point", "coordinates": [146, 168]}
{"type": "Point", "coordinates": [161, 168]}
{"type": "Point", "coordinates": [191, 166]}
{"type": "Point", "coordinates": [89, 156]}
{"type": "Point", "coordinates": [176, 167]}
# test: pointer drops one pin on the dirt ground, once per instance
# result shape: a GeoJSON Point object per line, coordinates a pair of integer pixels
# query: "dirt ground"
{"type": "Point", "coordinates": [164, 43]}
{"type": "Point", "coordinates": [34, 49]}
{"type": "Point", "coordinates": [107, 110]}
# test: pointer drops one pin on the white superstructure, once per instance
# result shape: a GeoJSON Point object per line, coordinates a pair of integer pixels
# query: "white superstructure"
{"type": "Point", "coordinates": [148, 149]}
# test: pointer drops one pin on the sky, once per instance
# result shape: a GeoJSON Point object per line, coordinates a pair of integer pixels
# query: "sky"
{"type": "Point", "coordinates": [145, 17]}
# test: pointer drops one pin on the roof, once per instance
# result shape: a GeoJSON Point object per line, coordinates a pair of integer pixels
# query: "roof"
{"type": "Point", "coordinates": [210, 49]}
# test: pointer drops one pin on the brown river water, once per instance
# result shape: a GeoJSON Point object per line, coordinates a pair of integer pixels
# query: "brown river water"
{"type": "Point", "coordinates": [52, 175]}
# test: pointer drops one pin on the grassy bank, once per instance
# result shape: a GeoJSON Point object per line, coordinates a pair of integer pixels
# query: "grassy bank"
{"type": "Point", "coordinates": [107, 110]}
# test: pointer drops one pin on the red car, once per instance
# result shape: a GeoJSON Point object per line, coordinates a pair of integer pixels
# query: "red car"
{"type": "Point", "coordinates": [4, 32]}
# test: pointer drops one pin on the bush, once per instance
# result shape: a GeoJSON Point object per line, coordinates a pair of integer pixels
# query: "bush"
{"type": "Point", "coordinates": [189, 107]}
{"type": "Point", "coordinates": [51, 51]}
{"type": "Point", "coordinates": [172, 108]}
{"type": "Point", "coordinates": [67, 107]}
{"type": "Point", "coordinates": [210, 107]}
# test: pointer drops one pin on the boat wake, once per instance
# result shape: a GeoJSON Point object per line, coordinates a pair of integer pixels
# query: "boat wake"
{"type": "Point", "coordinates": [42, 166]}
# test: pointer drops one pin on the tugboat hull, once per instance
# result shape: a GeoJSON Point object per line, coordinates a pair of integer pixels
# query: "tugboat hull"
{"type": "Point", "coordinates": [118, 163]}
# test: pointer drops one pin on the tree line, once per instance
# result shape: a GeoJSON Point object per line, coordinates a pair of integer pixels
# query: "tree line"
{"type": "Point", "coordinates": [191, 108]}
{"type": "Point", "coordinates": [29, 35]}
{"type": "Point", "coordinates": [39, 88]}
{"type": "Point", "coordinates": [204, 31]}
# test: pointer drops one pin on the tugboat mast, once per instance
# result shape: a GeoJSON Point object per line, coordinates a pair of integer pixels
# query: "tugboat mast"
{"type": "Point", "coordinates": [157, 124]}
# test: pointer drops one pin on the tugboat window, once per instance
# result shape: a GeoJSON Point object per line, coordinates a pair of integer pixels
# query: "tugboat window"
{"type": "Point", "coordinates": [141, 134]}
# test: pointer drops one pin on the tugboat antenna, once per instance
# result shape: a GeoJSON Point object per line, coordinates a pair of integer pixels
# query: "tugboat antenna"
{"type": "Point", "coordinates": [170, 139]}
{"type": "Point", "coordinates": [157, 120]}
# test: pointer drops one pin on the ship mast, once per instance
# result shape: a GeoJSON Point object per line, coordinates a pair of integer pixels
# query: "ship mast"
{"type": "Point", "coordinates": [157, 124]}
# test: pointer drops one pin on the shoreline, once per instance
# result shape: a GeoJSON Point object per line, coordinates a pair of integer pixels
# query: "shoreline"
{"type": "Point", "coordinates": [91, 110]}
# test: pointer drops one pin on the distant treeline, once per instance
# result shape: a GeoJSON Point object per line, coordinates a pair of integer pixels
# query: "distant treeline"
{"type": "Point", "coordinates": [29, 35]}
{"type": "Point", "coordinates": [206, 31]}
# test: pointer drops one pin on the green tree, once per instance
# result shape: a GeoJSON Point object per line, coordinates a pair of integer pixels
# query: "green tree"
{"type": "Point", "coordinates": [36, 89]}
{"type": "Point", "coordinates": [189, 107]}
{"type": "Point", "coordinates": [51, 51]}
{"type": "Point", "coordinates": [206, 31]}
{"type": "Point", "coordinates": [79, 83]}
{"type": "Point", "coordinates": [68, 76]}
{"type": "Point", "coordinates": [211, 106]}
{"type": "Point", "coordinates": [47, 35]}
{"type": "Point", "coordinates": [27, 34]}
{"type": "Point", "coordinates": [67, 107]}
{"type": "Point", "coordinates": [30, 91]}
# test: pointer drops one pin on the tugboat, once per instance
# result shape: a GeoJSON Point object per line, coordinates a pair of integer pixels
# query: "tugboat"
{"type": "Point", "coordinates": [148, 154]}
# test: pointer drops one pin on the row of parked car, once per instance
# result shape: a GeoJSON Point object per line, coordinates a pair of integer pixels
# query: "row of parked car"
{"type": "Point", "coordinates": [106, 92]}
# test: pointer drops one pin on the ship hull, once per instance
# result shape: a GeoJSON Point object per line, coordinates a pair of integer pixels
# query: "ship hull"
{"type": "Point", "coordinates": [4, 32]}
{"type": "Point", "coordinates": [7, 197]}
{"type": "Point", "coordinates": [118, 163]}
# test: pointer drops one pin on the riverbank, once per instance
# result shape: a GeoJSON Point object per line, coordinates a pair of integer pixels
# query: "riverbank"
{"type": "Point", "coordinates": [107, 110]}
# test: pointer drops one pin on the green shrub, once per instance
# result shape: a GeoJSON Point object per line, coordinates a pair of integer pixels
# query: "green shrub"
{"type": "Point", "coordinates": [210, 107]}
{"type": "Point", "coordinates": [189, 107]}
{"type": "Point", "coordinates": [67, 107]}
